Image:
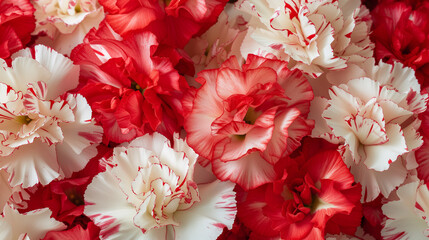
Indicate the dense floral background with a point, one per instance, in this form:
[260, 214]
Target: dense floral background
[214, 119]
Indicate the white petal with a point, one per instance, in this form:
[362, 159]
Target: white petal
[367, 131]
[31, 164]
[400, 77]
[401, 215]
[181, 146]
[342, 104]
[155, 142]
[176, 161]
[339, 77]
[379, 157]
[5, 189]
[108, 208]
[23, 71]
[317, 106]
[64, 43]
[393, 113]
[363, 88]
[82, 132]
[64, 75]
[35, 223]
[412, 137]
[207, 218]
[375, 182]
[70, 162]
[128, 162]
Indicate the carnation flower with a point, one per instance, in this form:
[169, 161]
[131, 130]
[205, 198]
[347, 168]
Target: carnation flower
[373, 110]
[315, 196]
[30, 225]
[407, 216]
[245, 118]
[16, 24]
[45, 133]
[130, 89]
[316, 35]
[149, 193]
[66, 22]
[400, 34]
[173, 22]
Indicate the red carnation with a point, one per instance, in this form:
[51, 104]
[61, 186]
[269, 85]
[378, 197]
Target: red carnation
[130, 90]
[400, 33]
[316, 195]
[17, 22]
[174, 22]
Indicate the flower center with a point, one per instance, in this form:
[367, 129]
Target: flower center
[251, 116]
[406, 50]
[24, 119]
[164, 2]
[74, 197]
[136, 87]
[318, 204]
[77, 8]
[240, 136]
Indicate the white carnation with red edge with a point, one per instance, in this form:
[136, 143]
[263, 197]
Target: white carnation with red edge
[149, 193]
[66, 22]
[317, 35]
[373, 111]
[45, 132]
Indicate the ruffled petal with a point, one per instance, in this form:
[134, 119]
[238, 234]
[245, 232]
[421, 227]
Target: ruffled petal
[34, 224]
[216, 210]
[107, 206]
[31, 164]
[249, 171]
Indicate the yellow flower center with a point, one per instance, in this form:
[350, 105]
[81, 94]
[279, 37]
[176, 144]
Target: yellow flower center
[24, 119]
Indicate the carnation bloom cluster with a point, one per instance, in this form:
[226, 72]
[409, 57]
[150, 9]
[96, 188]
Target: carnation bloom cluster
[214, 119]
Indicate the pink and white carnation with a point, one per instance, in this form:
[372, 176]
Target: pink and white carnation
[315, 35]
[245, 118]
[407, 214]
[45, 132]
[149, 192]
[373, 111]
[30, 225]
[66, 22]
